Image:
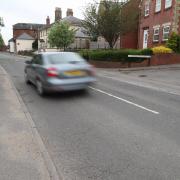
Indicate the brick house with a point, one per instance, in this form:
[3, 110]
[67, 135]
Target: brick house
[158, 19]
[81, 39]
[28, 28]
[26, 33]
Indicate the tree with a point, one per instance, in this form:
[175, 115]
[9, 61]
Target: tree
[174, 42]
[35, 44]
[111, 19]
[1, 41]
[60, 35]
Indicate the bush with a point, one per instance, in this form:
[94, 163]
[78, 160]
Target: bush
[35, 44]
[85, 54]
[174, 42]
[162, 50]
[114, 55]
[26, 53]
[147, 51]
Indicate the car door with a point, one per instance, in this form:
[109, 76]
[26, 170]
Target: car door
[29, 69]
[34, 68]
[37, 68]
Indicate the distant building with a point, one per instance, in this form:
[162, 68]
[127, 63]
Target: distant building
[158, 19]
[81, 39]
[11, 44]
[24, 42]
[24, 34]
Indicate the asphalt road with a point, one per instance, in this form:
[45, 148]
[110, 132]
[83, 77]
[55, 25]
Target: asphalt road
[116, 131]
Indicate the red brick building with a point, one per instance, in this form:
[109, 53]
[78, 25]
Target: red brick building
[25, 32]
[158, 19]
[129, 41]
[28, 28]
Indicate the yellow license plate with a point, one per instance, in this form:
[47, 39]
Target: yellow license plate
[75, 73]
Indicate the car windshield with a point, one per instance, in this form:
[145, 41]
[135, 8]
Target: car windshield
[64, 58]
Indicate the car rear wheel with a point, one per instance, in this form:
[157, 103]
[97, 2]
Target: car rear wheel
[40, 88]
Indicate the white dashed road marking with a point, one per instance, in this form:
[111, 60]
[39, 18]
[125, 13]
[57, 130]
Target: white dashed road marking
[124, 100]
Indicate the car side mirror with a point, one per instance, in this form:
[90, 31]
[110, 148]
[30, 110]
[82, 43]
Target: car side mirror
[28, 62]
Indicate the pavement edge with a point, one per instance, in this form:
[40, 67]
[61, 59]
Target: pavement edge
[52, 170]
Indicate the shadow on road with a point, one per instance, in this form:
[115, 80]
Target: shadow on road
[67, 95]
[64, 95]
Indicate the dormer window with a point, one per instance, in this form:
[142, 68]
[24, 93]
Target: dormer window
[168, 3]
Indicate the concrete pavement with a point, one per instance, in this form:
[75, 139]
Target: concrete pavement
[21, 148]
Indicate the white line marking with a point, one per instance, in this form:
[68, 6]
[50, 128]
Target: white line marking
[124, 100]
[140, 85]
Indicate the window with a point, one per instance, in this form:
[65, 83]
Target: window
[166, 31]
[168, 3]
[158, 6]
[146, 8]
[64, 58]
[156, 34]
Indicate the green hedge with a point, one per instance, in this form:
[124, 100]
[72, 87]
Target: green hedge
[114, 55]
[26, 53]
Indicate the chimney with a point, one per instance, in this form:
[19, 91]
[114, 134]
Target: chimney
[58, 14]
[47, 21]
[69, 12]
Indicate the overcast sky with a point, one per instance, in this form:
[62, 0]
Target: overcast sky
[35, 11]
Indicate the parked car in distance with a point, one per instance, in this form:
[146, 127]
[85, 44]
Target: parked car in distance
[58, 71]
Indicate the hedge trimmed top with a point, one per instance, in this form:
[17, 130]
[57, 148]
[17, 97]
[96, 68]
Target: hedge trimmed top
[114, 55]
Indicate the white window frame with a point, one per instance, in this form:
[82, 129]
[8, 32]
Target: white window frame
[146, 8]
[167, 32]
[168, 3]
[158, 6]
[156, 32]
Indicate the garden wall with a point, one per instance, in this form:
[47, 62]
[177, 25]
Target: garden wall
[159, 59]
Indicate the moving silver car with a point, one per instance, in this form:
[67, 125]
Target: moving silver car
[58, 71]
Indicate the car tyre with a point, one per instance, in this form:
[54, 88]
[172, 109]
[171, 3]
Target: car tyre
[26, 78]
[40, 88]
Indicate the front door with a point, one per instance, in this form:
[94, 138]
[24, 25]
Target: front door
[145, 38]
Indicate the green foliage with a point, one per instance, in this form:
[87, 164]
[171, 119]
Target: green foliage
[26, 53]
[174, 42]
[114, 55]
[35, 44]
[1, 41]
[60, 35]
[147, 51]
[111, 19]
